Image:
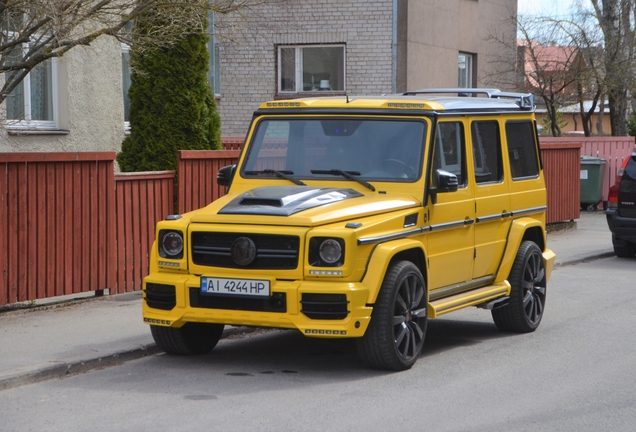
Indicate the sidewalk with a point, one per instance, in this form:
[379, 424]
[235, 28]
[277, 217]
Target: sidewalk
[84, 333]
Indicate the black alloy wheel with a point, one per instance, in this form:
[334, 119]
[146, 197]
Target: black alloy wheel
[395, 336]
[525, 308]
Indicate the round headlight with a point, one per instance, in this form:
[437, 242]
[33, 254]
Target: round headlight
[330, 251]
[172, 243]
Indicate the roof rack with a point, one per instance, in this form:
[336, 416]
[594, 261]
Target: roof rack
[523, 100]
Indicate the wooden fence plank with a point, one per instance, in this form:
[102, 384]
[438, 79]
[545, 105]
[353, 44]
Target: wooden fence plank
[78, 245]
[4, 234]
[31, 233]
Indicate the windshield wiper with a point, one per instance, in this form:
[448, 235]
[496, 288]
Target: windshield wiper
[351, 175]
[280, 174]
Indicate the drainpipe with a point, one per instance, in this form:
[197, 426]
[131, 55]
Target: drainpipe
[394, 35]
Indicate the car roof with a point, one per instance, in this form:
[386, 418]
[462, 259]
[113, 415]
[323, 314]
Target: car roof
[439, 100]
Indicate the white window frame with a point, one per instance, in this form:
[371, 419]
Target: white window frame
[28, 122]
[468, 70]
[214, 73]
[298, 61]
[125, 49]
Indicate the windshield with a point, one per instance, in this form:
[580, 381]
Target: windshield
[368, 149]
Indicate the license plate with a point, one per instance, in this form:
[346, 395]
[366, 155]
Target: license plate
[232, 286]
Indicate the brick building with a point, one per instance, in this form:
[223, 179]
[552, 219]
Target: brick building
[287, 49]
[300, 48]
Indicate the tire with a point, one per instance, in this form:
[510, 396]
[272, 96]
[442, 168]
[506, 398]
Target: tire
[191, 339]
[623, 248]
[395, 335]
[524, 310]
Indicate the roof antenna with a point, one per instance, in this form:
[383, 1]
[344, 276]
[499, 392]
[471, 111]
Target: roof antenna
[347, 96]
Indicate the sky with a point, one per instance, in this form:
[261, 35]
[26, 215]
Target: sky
[545, 7]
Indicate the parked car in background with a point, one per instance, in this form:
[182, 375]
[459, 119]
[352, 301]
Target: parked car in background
[621, 209]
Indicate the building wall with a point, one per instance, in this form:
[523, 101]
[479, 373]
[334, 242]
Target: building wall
[429, 35]
[249, 59]
[439, 29]
[91, 106]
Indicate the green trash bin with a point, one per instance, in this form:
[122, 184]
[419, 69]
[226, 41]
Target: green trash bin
[592, 169]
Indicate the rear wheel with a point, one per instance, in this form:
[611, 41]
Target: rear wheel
[524, 310]
[396, 332]
[191, 339]
[623, 248]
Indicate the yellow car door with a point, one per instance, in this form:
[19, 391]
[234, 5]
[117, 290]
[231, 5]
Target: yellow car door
[451, 239]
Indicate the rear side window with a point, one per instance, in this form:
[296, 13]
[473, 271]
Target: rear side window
[487, 151]
[522, 149]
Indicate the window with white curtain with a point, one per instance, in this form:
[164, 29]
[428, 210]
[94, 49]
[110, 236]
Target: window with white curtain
[125, 72]
[33, 103]
[311, 68]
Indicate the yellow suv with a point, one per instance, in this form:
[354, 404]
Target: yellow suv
[363, 217]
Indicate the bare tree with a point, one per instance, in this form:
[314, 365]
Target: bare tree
[617, 20]
[33, 31]
[582, 31]
[548, 65]
[564, 61]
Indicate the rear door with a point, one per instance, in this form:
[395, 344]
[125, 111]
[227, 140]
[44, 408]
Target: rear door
[492, 201]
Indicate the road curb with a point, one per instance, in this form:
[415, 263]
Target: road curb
[594, 257]
[58, 369]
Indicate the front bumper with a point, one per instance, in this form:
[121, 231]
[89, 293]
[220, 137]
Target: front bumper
[189, 305]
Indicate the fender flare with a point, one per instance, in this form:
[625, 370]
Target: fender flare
[516, 234]
[379, 263]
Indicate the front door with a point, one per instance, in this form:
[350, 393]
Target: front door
[451, 241]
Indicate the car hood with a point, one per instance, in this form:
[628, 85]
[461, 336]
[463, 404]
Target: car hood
[300, 205]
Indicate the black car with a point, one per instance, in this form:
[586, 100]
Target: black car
[621, 209]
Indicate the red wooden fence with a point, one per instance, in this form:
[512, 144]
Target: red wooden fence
[197, 170]
[142, 200]
[68, 224]
[613, 149]
[57, 234]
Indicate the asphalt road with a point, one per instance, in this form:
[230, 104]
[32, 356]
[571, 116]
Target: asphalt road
[577, 372]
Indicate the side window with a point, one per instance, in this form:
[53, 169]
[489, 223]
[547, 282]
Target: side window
[522, 149]
[487, 151]
[449, 154]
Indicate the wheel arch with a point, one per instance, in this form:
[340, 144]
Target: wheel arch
[386, 254]
[520, 230]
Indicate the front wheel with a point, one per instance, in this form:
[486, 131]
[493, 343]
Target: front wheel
[525, 307]
[396, 332]
[191, 339]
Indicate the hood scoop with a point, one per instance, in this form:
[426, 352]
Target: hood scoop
[285, 200]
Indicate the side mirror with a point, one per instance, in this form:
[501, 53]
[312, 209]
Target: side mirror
[225, 175]
[446, 182]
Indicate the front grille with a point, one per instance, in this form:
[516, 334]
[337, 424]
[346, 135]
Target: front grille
[160, 296]
[276, 303]
[276, 252]
[325, 306]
